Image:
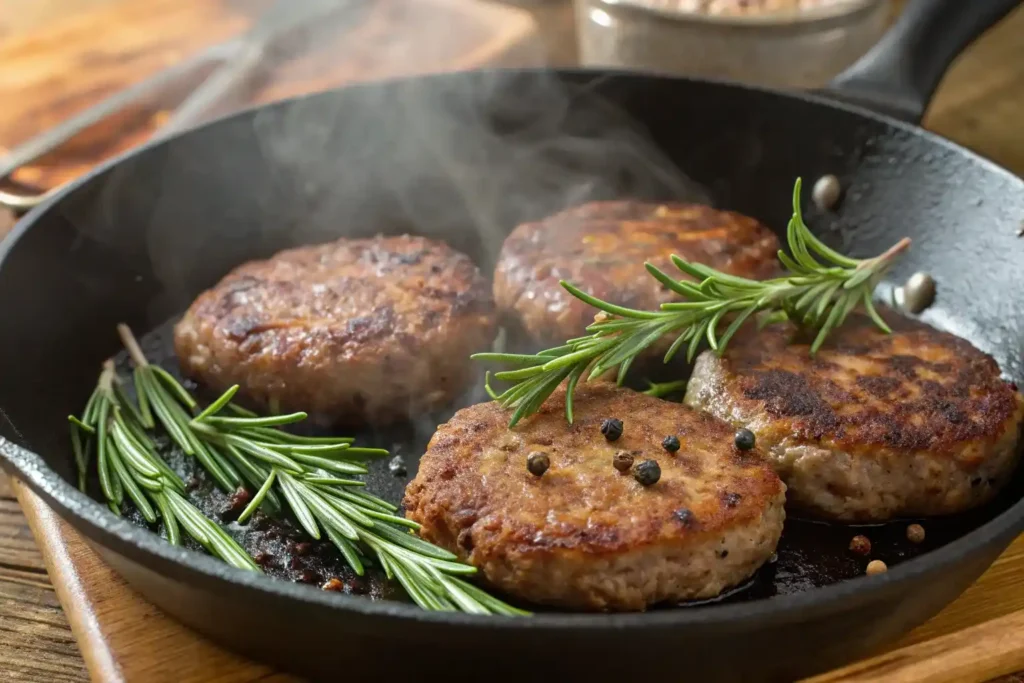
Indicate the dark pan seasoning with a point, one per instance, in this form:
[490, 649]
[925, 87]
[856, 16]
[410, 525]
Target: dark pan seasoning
[810, 554]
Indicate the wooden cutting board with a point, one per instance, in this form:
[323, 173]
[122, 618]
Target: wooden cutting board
[62, 67]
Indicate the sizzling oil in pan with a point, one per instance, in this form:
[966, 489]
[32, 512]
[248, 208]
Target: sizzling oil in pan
[810, 554]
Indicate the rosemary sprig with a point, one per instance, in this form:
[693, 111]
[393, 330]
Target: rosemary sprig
[662, 389]
[128, 464]
[309, 475]
[817, 294]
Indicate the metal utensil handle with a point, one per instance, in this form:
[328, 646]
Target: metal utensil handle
[899, 75]
[228, 82]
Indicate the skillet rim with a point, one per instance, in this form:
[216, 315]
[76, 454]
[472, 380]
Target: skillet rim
[148, 549]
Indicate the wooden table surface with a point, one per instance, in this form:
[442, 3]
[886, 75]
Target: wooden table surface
[977, 105]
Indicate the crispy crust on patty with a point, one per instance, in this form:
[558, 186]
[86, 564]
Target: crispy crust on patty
[601, 248]
[585, 535]
[874, 426]
[357, 330]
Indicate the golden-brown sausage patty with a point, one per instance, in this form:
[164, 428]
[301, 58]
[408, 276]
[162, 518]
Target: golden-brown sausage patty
[585, 535]
[876, 426]
[601, 248]
[356, 330]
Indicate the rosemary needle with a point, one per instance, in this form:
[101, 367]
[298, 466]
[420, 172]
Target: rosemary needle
[128, 464]
[820, 290]
[307, 474]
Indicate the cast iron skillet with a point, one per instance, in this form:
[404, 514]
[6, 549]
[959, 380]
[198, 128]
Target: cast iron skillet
[464, 157]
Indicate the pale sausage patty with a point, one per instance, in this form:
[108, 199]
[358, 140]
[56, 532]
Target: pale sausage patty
[875, 426]
[601, 248]
[585, 535]
[358, 330]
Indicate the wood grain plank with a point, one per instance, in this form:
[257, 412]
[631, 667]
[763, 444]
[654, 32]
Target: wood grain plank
[28, 663]
[979, 101]
[17, 547]
[29, 16]
[20, 560]
[6, 223]
[37, 641]
[1000, 592]
[57, 72]
[972, 655]
[24, 577]
[82, 57]
[986, 67]
[105, 616]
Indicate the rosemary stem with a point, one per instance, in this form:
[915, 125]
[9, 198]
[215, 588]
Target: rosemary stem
[285, 470]
[887, 255]
[106, 381]
[818, 290]
[132, 345]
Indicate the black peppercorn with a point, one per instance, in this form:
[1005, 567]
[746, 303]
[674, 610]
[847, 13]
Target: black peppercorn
[670, 443]
[538, 463]
[622, 461]
[611, 428]
[647, 472]
[744, 439]
[684, 516]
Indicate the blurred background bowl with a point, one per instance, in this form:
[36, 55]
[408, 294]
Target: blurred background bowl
[784, 49]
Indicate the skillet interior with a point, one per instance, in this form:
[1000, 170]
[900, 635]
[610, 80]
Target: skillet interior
[464, 158]
[810, 554]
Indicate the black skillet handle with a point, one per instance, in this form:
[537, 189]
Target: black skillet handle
[900, 73]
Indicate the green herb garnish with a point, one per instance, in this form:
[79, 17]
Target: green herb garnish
[817, 294]
[308, 475]
[127, 463]
[662, 389]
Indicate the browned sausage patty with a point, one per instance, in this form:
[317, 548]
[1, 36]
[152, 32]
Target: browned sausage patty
[876, 426]
[585, 535]
[358, 330]
[601, 248]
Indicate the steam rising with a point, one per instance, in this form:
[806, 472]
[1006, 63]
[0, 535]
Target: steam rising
[463, 160]
[461, 157]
